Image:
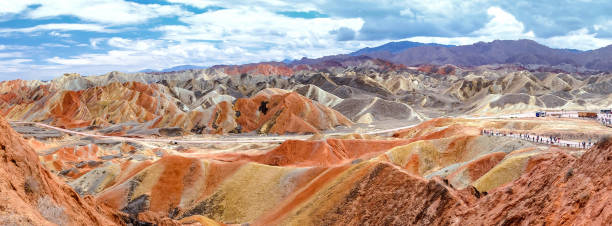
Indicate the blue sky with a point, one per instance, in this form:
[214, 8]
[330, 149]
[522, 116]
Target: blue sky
[41, 39]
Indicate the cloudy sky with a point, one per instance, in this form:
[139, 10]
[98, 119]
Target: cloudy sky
[41, 39]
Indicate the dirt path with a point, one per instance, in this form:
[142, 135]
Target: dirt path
[220, 140]
[257, 139]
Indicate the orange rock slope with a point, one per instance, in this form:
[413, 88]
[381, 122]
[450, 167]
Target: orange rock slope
[101, 106]
[286, 113]
[442, 70]
[281, 185]
[72, 161]
[563, 190]
[147, 107]
[30, 195]
[257, 69]
[317, 152]
[559, 190]
[443, 175]
[17, 92]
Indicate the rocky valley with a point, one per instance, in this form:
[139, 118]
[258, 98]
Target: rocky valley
[339, 142]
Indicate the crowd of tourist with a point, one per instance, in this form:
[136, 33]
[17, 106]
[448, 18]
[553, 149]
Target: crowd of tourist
[605, 119]
[551, 140]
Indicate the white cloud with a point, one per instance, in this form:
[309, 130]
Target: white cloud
[255, 27]
[604, 26]
[93, 42]
[580, 39]
[407, 12]
[104, 11]
[101, 11]
[253, 31]
[138, 45]
[11, 54]
[58, 27]
[54, 45]
[11, 7]
[438, 12]
[239, 35]
[274, 5]
[134, 55]
[13, 65]
[58, 34]
[196, 3]
[137, 54]
[16, 47]
[503, 25]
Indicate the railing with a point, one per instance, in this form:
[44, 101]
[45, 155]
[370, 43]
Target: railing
[603, 118]
[550, 140]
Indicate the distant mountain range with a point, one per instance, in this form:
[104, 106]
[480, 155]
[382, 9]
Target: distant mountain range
[521, 52]
[526, 53]
[394, 47]
[175, 68]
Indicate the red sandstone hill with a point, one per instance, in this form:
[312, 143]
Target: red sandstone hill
[279, 68]
[318, 182]
[442, 70]
[113, 103]
[559, 190]
[563, 190]
[30, 195]
[19, 92]
[317, 152]
[286, 113]
[146, 107]
[271, 68]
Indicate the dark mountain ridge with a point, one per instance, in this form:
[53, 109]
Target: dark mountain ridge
[175, 68]
[520, 52]
[394, 47]
[524, 53]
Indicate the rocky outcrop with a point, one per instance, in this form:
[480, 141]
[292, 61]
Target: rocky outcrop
[368, 110]
[319, 95]
[442, 70]
[134, 108]
[257, 69]
[363, 90]
[30, 195]
[440, 172]
[561, 190]
[286, 113]
[373, 193]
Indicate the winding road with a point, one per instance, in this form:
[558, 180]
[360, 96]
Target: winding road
[251, 139]
[255, 139]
